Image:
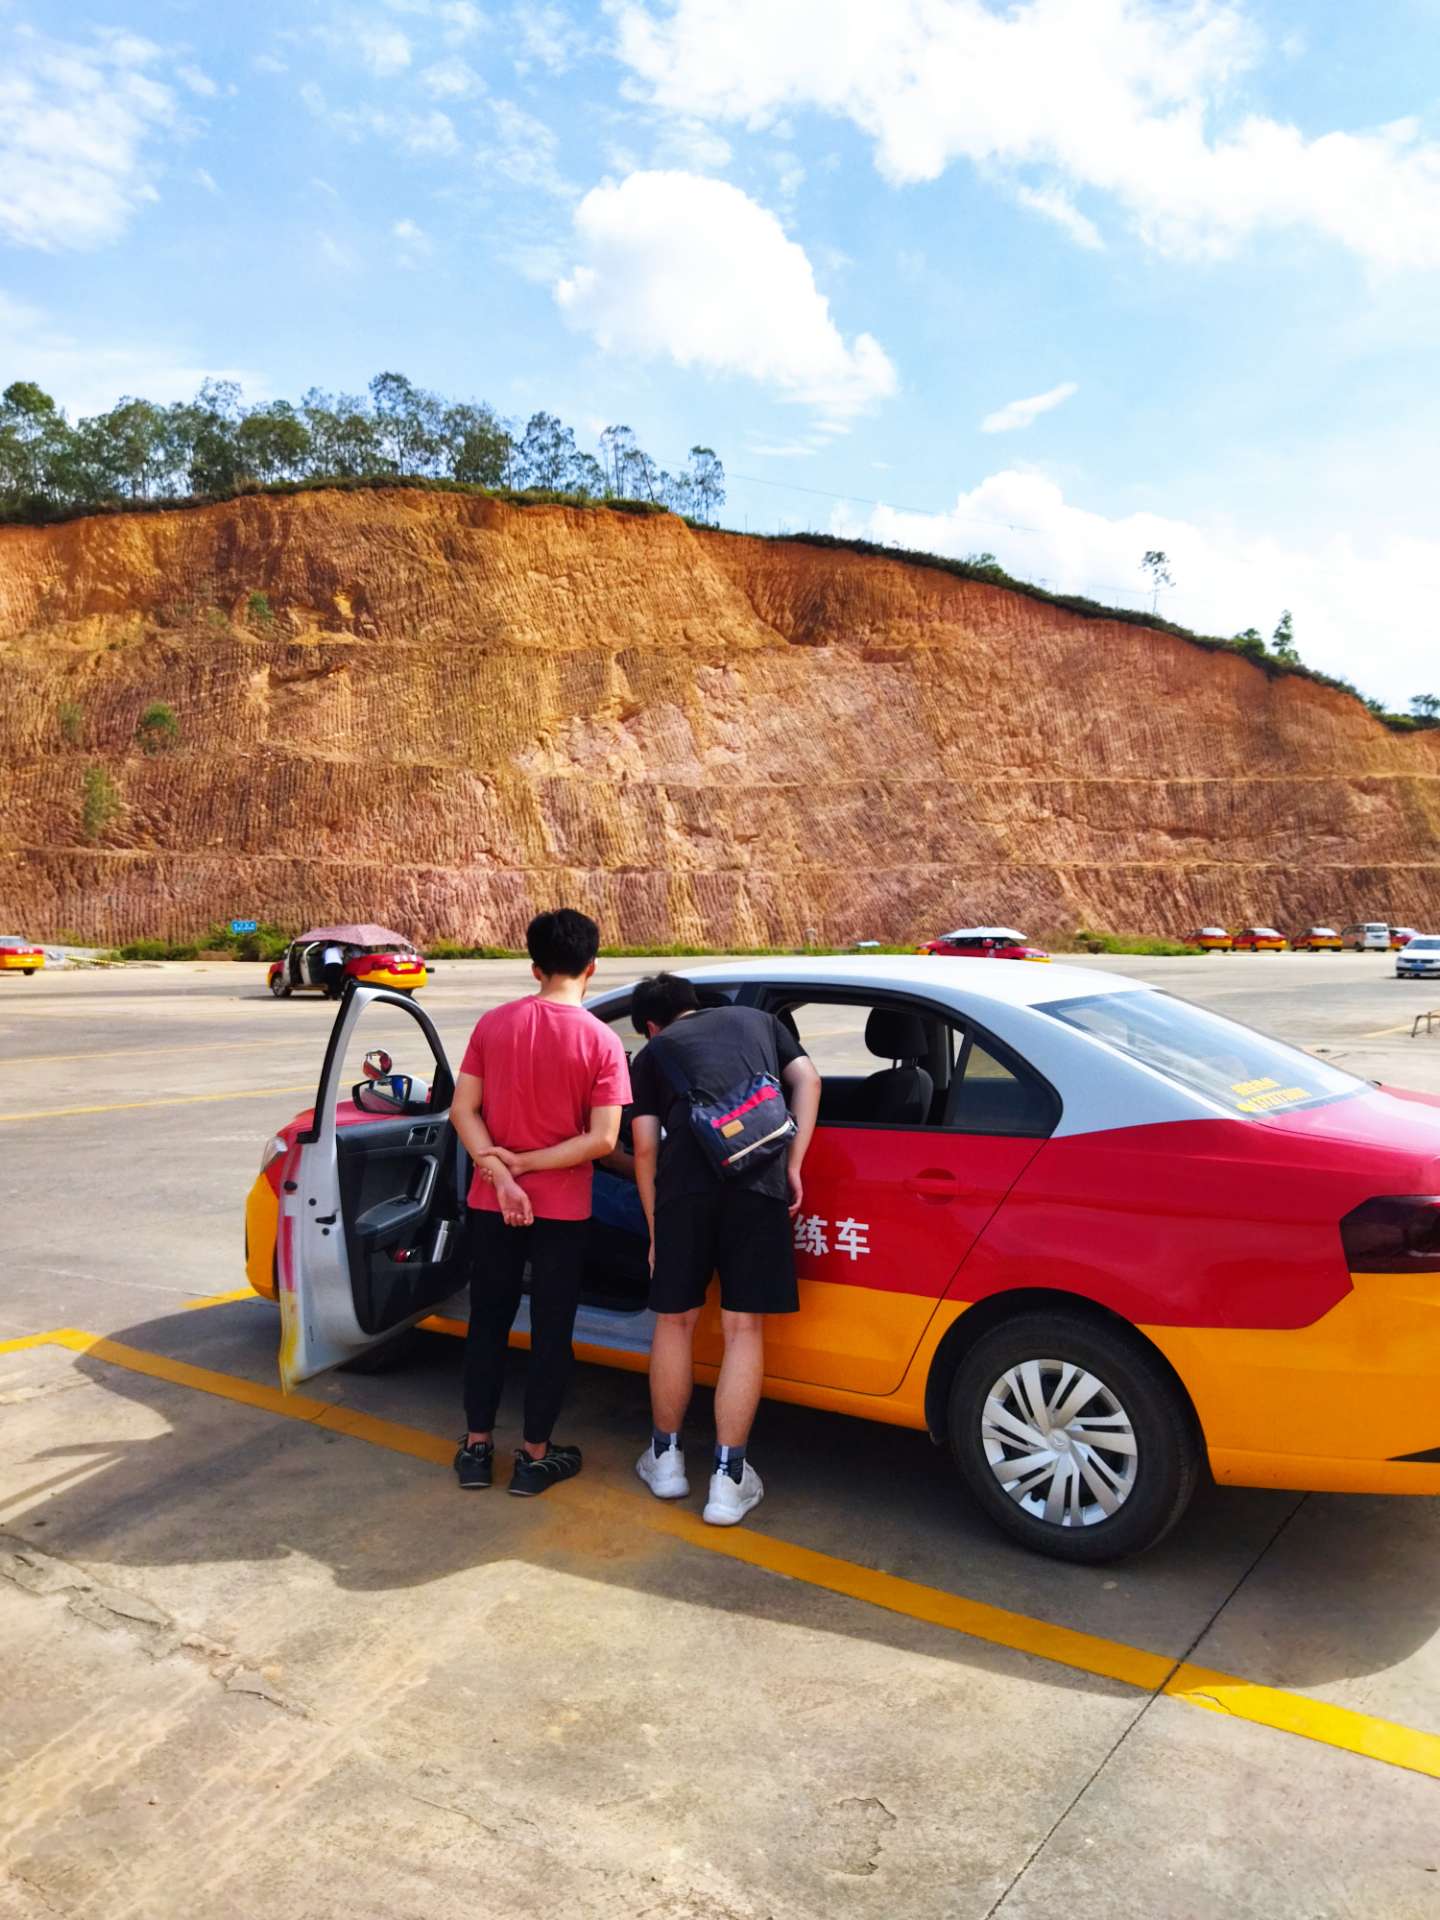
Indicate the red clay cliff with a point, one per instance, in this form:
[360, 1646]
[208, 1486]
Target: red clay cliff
[442, 712]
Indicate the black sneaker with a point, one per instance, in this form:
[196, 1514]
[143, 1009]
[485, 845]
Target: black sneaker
[534, 1476]
[475, 1463]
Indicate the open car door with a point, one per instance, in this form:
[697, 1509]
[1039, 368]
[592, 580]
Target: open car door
[372, 1196]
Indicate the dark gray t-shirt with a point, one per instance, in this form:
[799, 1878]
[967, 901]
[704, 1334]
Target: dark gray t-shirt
[712, 1050]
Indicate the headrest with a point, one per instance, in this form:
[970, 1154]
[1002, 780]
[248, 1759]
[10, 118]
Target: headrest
[893, 1034]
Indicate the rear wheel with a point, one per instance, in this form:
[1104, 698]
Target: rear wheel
[279, 986]
[1073, 1437]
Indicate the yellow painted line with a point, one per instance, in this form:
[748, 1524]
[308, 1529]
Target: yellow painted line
[1382, 1033]
[218, 1299]
[129, 1053]
[1319, 1721]
[178, 1100]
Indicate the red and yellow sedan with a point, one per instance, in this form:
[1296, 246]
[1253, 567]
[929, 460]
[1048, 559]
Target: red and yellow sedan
[984, 943]
[1211, 939]
[370, 955]
[18, 955]
[1096, 1240]
[1318, 940]
[1260, 940]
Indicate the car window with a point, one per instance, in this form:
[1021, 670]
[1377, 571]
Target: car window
[962, 1083]
[1422, 946]
[1244, 1071]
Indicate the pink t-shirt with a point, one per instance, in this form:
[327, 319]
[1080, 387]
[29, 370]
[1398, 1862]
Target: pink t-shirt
[545, 1065]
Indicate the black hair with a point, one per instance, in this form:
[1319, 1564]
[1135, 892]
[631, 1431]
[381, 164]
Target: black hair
[563, 941]
[661, 997]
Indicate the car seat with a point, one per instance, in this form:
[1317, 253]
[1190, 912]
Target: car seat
[901, 1095]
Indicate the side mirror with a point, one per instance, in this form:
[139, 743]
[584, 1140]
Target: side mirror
[392, 1093]
[377, 1063]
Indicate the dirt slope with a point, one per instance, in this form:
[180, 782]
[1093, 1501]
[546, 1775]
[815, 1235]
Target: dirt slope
[446, 712]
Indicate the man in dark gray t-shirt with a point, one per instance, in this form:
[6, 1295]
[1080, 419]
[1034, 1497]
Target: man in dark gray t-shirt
[701, 1224]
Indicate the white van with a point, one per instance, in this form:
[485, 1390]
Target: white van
[1368, 936]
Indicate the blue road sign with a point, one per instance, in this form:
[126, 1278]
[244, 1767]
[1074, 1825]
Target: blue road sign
[244, 926]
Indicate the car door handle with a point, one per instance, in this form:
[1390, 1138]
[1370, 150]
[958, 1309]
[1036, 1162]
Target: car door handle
[933, 1184]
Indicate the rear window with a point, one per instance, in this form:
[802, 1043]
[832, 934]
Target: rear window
[1244, 1071]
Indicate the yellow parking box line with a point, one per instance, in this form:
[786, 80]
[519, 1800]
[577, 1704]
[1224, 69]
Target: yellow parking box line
[176, 1100]
[1318, 1720]
[218, 1299]
[1154, 1673]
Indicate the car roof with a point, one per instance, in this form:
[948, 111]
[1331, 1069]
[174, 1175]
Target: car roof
[983, 933]
[1021, 984]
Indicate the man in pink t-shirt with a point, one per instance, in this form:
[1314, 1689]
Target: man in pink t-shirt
[538, 1100]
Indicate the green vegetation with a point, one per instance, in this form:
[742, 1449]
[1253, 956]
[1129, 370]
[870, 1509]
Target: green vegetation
[140, 455]
[259, 608]
[268, 942]
[1084, 941]
[157, 728]
[99, 802]
[70, 718]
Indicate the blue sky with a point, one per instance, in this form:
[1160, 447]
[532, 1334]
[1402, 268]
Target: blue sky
[843, 242]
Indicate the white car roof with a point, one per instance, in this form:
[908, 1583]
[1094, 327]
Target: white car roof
[1025, 984]
[985, 933]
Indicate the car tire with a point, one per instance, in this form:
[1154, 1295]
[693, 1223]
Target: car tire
[280, 987]
[1135, 1395]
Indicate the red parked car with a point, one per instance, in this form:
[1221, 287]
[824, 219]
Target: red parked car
[984, 943]
[1260, 940]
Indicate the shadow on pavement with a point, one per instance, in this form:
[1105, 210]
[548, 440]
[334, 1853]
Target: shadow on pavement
[217, 1482]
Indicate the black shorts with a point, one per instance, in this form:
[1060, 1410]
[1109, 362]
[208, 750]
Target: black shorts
[746, 1238]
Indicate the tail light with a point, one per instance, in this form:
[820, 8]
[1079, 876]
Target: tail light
[1396, 1234]
[274, 1147]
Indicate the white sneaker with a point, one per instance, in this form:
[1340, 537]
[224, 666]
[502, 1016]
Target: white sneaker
[731, 1500]
[664, 1473]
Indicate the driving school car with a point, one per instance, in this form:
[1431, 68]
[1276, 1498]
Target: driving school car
[1211, 939]
[373, 956]
[1259, 940]
[984, 943]
[1318, 940]
[1092, 1237]
[18, 955]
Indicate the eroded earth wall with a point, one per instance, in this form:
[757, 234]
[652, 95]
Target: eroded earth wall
[441, 712]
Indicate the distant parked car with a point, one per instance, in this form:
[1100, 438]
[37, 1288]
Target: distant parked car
[1259, 940]
[17, 955]
[1367, 936]
[1317, 940]
[984, 943]
[1419, 958]
[1401, 937]
[1211, 939]
[371, 955]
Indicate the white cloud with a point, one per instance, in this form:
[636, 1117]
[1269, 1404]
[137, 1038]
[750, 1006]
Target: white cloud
[414, 244]
[679, 267]
[204, 178]
[1024, 413]
[1363, 613]
[1129, 98]
[524, 151]
[77, 125]
[547, 36]
[451, 79]
[268, 63]
[384, 50]
[1057, 205]
[87, 376]
[198, 81]
[423, 134]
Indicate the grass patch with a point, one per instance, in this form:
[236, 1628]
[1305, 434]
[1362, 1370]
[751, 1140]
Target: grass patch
[99, 802]
[1145, 944]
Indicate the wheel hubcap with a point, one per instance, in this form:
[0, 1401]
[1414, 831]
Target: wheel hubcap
[1059, 1443]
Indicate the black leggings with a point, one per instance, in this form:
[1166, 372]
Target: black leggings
[497, 1255]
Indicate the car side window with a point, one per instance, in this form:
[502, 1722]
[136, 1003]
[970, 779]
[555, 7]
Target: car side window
[988, 1094]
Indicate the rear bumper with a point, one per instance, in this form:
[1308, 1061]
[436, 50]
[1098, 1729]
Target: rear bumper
[1335, 1407]
[11, 962]
[403, 982]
